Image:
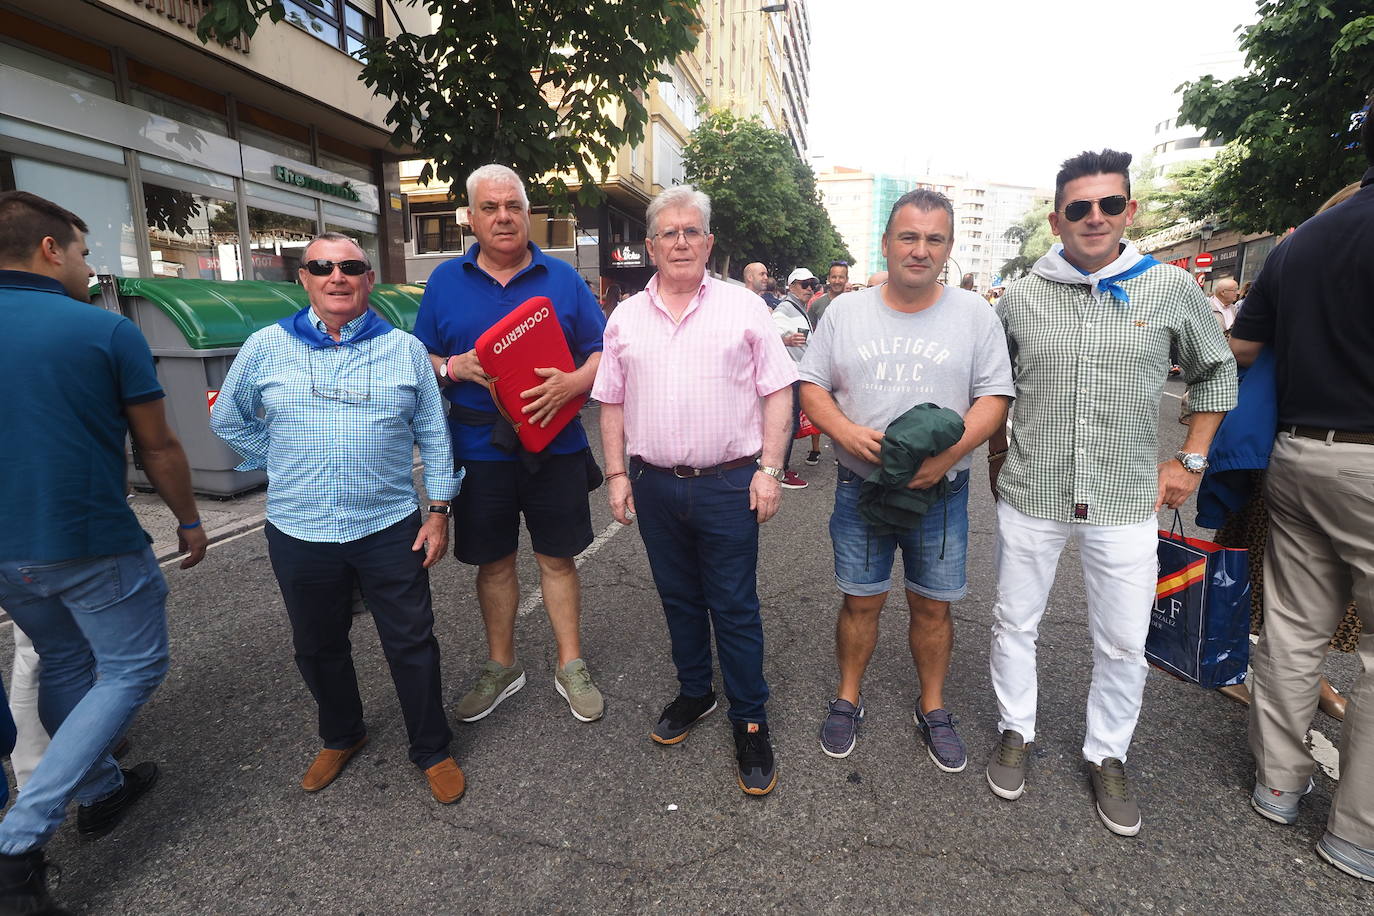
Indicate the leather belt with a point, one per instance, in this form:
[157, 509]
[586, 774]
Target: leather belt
[1331, 435]
[683, 471]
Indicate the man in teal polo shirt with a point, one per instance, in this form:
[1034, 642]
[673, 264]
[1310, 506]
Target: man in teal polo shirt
[76, 571]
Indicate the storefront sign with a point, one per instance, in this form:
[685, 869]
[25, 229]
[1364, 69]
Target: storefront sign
[1181, 262]
[628, 256]
[263, 261]
[286, 176]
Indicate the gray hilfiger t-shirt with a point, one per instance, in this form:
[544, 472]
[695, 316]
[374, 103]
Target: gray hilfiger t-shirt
[878, 363]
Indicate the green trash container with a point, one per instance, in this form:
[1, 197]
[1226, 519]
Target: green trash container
[195, 329]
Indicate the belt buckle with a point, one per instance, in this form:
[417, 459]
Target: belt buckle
[677, 472]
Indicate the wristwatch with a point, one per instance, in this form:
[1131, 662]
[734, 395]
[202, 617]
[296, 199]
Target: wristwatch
[1192, 461]
[443, 371]
[775, 473]
[441, 510]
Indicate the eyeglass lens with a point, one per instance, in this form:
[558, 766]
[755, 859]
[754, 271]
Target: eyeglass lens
[1111, 206]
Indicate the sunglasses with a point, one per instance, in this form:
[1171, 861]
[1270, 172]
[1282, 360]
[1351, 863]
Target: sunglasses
[1111, 206]
[322, 268]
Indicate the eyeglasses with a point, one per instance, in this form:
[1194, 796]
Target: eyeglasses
[321, 268]
[811, 284]
[346, 395]
[1110, 206]
[691, 234]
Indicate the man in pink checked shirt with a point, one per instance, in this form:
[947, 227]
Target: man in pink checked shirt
[694, 384]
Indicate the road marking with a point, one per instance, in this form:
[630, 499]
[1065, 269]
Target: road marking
[537, 598]
[213, 544]
[1327, 755]
[1168, 394]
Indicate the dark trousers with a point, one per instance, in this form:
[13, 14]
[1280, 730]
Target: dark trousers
[703, 546]
[796, 425]
[316, 582]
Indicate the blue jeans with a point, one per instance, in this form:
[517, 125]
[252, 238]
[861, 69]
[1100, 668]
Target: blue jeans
[703, 546]
[933, 553]
[100, 627]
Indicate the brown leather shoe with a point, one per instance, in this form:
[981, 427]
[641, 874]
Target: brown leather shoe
[1331, 701]
[446, 781]
[329, 763]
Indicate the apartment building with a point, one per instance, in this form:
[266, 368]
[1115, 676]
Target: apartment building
[201, 161]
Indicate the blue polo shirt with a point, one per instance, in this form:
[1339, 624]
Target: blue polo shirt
[67, 370]
[462, 300]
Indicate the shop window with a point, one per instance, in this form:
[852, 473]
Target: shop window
[550, 231]
[435, 232]
[102, 202]
[59, 71]
[344, 25]
[192, 236]
[367, 241]
[277, 243]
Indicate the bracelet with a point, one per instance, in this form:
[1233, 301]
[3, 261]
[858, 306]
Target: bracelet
[190, 527]
[617, 474]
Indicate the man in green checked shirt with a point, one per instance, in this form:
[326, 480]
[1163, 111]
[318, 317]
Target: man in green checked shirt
[1089, 332]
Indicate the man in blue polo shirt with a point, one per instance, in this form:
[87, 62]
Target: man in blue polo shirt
[464, 298]
[76, 571]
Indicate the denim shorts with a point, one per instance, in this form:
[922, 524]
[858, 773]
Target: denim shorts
[933, 554]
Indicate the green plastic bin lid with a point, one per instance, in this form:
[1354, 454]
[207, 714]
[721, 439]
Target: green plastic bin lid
[222, 313]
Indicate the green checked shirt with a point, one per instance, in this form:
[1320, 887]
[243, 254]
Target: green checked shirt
[1089, 371]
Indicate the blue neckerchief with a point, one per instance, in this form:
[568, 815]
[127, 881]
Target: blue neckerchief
[1111, 284]
[302, 327]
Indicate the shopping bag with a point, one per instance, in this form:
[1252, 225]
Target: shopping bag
[806, 428]
[1200, 626]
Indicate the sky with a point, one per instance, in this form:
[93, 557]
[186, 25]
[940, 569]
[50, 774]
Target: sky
[1004, 90]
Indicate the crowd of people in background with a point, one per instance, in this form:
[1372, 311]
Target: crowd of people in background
[704, 387]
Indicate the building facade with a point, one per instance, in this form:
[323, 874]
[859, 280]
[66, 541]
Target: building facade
[202, 161]
[752, 58]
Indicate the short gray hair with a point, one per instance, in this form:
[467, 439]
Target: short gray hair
[927, 201]
[497, 173]
[683, 195]
[335, 237]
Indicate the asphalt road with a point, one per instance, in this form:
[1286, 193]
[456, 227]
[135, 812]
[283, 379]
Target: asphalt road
[562, 816]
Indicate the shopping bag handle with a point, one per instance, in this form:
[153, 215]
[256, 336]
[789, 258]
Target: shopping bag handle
[1176, 526]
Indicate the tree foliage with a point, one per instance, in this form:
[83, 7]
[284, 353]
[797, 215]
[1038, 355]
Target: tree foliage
[1311, 66]
[545, 88]
[1034, 236]
[764, 202]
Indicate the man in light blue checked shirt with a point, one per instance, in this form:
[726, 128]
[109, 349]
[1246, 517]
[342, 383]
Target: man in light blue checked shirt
[344, 398]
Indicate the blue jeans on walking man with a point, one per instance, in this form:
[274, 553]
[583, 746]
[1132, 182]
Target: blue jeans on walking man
[100, 626]
[703, 544]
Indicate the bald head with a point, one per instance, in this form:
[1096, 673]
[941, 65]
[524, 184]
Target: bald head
[877, 279]
[1227, 290]
[755, 277]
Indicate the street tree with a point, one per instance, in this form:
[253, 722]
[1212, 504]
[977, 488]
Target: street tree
[1311, 67]
[764, 202]
[1033, 234]
[551, 89]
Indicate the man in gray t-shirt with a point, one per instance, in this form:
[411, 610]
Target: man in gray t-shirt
[876, 354]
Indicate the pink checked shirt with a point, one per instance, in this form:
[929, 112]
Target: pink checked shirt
[691, 388]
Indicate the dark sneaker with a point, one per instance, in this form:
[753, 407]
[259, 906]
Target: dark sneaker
[1114, 803]
[754, 753]
[1279, 806]
[840, 729]
[813, 458]
[680, 715]
[943, 743]
[1349, 858]
[494, 684]
[793, 481]
[24, 884]
[1007, 768]
[96, 820]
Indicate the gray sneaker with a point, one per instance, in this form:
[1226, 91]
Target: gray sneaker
[1007, 768]
[495, 683]
[1114, 803]
[1349, 858]
[840, 729]
[1279, 806]
[574, 683]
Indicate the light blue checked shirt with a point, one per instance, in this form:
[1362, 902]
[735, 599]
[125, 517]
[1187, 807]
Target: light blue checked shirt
[337, 429]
